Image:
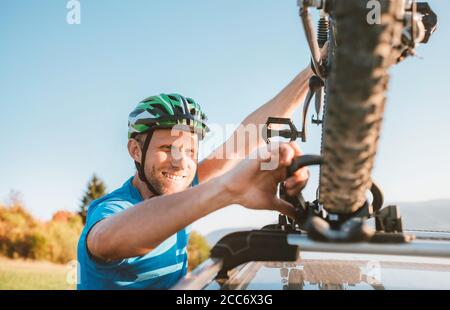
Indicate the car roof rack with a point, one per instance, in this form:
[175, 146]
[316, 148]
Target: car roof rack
[268, 244]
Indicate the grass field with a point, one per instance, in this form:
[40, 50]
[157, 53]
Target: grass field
[31, 275]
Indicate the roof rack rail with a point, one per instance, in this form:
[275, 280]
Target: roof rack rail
[272, 245]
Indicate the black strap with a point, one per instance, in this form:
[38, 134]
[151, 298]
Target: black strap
[141, 167]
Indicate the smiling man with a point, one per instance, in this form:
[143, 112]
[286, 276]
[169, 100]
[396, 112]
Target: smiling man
[136, 237]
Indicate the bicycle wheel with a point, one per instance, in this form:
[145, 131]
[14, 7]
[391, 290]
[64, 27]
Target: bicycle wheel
[360, 55]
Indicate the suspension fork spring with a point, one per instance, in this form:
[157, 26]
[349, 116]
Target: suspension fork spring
[322, 30]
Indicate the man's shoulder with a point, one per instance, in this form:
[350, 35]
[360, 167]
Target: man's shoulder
[118, 200]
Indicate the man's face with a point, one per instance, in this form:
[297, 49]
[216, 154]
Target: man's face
[171, 161]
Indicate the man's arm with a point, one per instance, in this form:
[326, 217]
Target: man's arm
[282, 105]
[138, 230]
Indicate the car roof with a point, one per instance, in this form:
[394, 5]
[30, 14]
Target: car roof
[318, 271]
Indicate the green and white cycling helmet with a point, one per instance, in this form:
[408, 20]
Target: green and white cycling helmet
[164, 112]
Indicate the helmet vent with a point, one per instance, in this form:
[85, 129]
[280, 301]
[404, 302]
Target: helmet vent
[159, 108]
[179, 109]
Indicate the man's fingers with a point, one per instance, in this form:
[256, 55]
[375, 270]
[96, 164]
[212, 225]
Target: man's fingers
[297, 189]
[286, 154]
[299, 176]
[292, 146]
[284, 207]
[297, 150]
[295, 184]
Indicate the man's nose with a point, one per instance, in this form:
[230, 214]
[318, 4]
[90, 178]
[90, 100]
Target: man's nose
[179, 159]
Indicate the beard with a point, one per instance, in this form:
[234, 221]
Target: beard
[164, 185]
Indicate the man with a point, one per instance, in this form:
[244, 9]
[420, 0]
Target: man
[136, 236]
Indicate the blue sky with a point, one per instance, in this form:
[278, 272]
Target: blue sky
[66, 91]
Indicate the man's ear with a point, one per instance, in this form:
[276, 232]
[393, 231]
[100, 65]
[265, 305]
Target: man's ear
[134, 149]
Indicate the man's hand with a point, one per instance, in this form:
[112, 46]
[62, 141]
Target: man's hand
[256, 188]
[297, 182]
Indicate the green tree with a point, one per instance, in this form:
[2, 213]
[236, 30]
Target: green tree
[96, 188]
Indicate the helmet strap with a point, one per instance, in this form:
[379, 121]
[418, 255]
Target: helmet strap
[141, 167]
